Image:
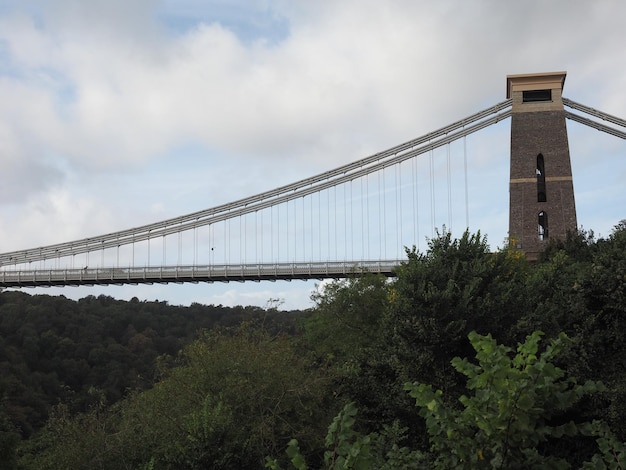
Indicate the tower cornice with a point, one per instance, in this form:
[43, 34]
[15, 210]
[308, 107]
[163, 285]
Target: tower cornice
[534, 81]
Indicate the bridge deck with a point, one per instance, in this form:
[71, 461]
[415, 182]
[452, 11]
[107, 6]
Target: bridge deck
[179, 274]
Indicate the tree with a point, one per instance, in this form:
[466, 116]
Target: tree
[345, 331]
[601, 289]
[517, 406]
[579, 287]
[350, 449]
[513, 412]
[457, 287]
[348, 316]
[9, 439]
[233, 396]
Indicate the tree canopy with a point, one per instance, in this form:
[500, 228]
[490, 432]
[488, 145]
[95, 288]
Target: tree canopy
[101, 383]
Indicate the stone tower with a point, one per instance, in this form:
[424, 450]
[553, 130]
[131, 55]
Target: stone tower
[541, 192]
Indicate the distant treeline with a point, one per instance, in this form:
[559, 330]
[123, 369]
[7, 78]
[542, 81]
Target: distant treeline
[56, 350]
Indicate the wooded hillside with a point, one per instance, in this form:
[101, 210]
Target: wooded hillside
[101, 383]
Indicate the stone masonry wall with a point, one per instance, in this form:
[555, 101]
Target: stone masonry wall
[534, 133]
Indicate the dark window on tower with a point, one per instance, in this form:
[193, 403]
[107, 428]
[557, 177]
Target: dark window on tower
[531, 96]
[543, 225]
[541, 179]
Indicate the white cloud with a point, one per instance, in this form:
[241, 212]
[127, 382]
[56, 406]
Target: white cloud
[102, 100]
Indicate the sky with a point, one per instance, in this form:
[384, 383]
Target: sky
[115, 114]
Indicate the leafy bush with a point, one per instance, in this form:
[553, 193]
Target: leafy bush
[516, 406]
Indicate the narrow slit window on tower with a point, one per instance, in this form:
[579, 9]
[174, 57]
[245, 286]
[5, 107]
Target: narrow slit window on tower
[541, 179]
[531, 96]
[543, 225]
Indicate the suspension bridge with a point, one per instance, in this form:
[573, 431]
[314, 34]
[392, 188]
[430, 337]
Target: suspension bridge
[354, 218]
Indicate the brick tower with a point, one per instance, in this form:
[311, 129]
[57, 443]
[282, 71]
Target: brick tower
[541, 192]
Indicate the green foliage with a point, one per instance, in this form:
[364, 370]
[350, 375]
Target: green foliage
[612, 454]
[437, 298]
[346, 332]
[9, 439]
[238, 394]
[516, 406]
[233, 396]
[348, 315]
[53, 349]
[577, 244]
[77, 442]
[514, 409]
[349, 449]
[458, 286]
[580, 288]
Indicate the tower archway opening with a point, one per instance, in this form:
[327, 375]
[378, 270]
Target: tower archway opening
[541, 179]
[542, 225]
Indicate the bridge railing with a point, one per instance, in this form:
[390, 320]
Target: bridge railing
[193, 273]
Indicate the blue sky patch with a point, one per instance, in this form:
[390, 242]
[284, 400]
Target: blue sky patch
[249, 21]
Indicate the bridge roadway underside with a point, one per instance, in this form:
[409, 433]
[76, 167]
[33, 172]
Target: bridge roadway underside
[194, 274]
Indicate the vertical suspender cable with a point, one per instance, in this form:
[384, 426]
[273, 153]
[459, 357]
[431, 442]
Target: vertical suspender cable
[395, 185]
[319, 223]
[367, 212]
[211, 247]
[398, 174]
[328, 224]
[254, 241]
[242, 236]
[180, 247]
[384, 215]
[276, 237]
[398, 223]
[466, 195]
[432, 194]
[380, 215]
[417, 202]
[414, 202]
[312, 225]
[345, 223]
[362, 219]
[287, 225]
[351, 222]
[312, 240]
[449, 183]
[335, 212]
